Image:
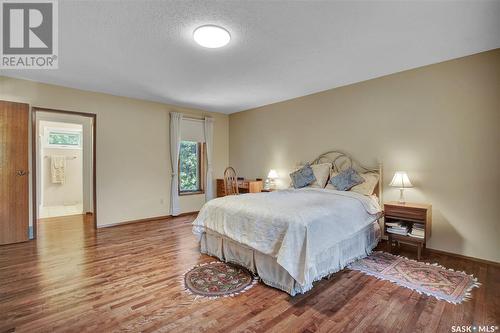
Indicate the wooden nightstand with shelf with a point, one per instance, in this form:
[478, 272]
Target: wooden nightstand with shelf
[409, 214]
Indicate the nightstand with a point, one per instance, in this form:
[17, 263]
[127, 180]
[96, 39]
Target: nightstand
[408, 214]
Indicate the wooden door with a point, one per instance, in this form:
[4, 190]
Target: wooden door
[14, 210]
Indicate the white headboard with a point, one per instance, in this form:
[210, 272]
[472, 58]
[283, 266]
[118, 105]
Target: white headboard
[341, 161]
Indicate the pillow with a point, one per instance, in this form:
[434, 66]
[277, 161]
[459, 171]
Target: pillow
[329, 185]
[347, 179]
[321, 172]
[303, 177]
[367, 187]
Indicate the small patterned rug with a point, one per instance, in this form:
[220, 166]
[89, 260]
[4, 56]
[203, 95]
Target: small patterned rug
[218, 279]
[429, 279]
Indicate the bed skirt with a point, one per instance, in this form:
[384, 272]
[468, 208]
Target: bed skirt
[271, 273]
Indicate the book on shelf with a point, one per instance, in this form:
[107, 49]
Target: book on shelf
[396, 232]
[400, 230]
[418, 231]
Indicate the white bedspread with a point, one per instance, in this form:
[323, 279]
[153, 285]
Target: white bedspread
[297, 227]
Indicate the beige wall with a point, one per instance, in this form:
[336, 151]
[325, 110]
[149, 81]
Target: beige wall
[133, 158]
[441, 123]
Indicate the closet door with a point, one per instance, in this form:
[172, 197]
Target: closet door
[14, 210]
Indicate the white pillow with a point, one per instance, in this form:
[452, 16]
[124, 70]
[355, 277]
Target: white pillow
[365, 188]
[321, 172]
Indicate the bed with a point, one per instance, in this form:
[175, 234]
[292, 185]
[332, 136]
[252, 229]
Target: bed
[294, 237]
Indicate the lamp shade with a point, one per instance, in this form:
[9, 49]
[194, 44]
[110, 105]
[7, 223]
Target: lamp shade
[400, 180]
[272, 174]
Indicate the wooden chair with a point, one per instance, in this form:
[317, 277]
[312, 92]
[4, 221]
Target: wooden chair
[230, 181]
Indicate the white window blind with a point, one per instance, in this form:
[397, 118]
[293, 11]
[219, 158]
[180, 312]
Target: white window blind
[192, 130]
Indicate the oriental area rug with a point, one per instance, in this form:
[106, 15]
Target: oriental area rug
[429, 279]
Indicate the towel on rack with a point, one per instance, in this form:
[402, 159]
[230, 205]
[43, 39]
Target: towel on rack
[58, 169]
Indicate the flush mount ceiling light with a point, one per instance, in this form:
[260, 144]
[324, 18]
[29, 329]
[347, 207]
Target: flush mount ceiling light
[211, 36]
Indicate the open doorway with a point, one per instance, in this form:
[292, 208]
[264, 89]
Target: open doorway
[63, 157]
[60, 169]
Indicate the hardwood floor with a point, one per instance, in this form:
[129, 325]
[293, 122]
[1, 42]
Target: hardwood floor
[128, 278]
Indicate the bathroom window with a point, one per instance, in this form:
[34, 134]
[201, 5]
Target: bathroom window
[64, 139]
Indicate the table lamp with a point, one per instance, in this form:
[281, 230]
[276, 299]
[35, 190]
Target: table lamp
[401, 181]
[272, 176]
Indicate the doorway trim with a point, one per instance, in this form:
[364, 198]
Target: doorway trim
[34, 110]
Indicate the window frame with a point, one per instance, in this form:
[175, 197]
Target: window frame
[201, 171]
[49, 130]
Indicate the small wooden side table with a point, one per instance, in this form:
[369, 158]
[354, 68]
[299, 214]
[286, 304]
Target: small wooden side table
[244, 186]
[408, 213]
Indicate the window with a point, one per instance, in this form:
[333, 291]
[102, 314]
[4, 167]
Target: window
[64, 139]
[191, 167]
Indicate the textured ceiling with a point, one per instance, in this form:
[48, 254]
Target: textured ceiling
[279, 49]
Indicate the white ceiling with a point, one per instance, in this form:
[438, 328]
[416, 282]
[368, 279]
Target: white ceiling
[279, 49]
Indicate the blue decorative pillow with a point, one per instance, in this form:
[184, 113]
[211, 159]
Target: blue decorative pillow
[347, 179]
[303, 177]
